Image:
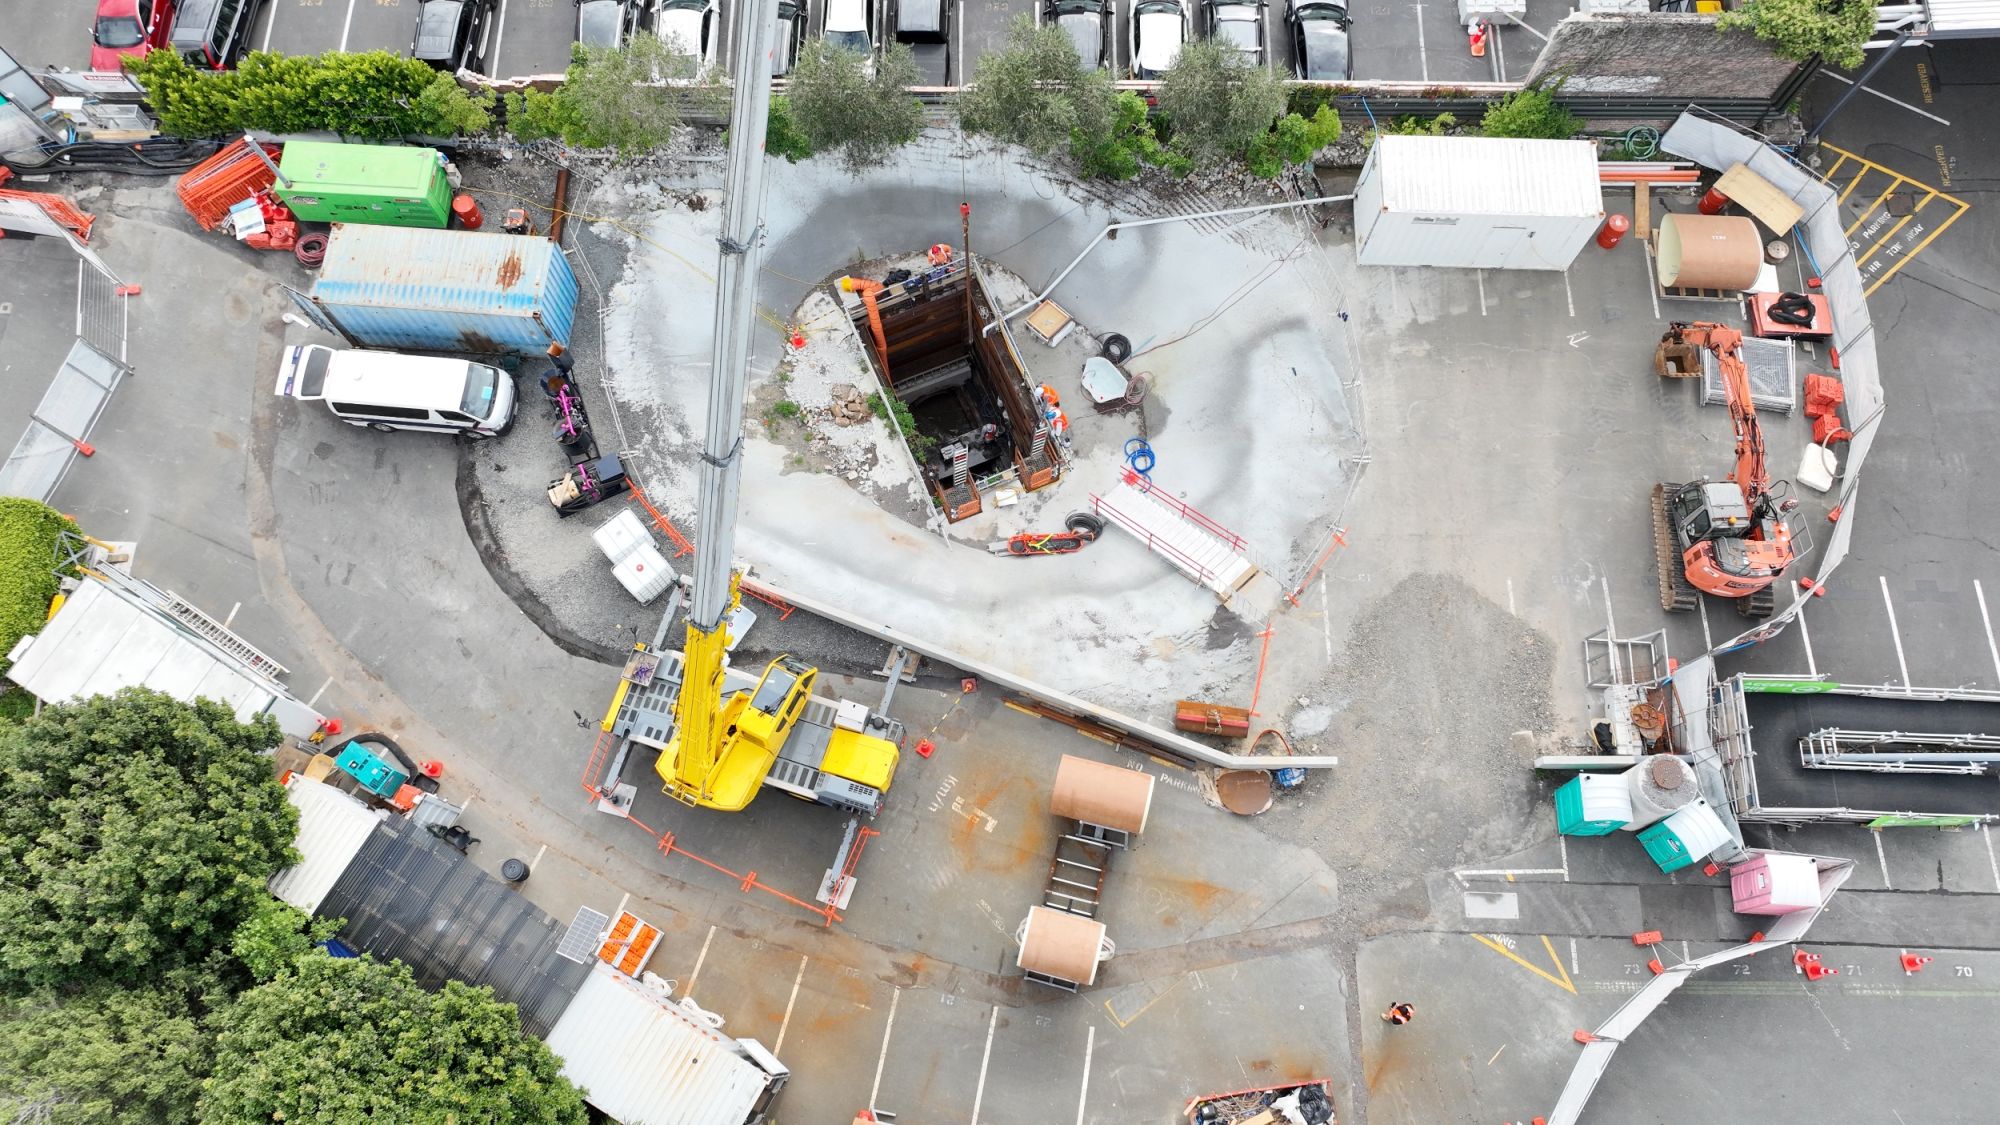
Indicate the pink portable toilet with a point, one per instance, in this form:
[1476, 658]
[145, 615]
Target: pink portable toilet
[1775, 883]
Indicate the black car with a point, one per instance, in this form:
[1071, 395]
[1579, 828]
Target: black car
[1319, 41]
[451, 34]
[1238, 25]
[1088, 25]
[925, 25]
[605, 23]
[790, 39]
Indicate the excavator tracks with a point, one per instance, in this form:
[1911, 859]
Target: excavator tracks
[1759, 605]
[1677, 594]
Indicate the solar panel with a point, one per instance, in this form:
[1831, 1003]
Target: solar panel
[585, 934]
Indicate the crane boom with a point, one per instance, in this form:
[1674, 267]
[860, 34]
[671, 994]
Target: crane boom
[715, 595]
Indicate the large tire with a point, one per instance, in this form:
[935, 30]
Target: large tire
[1117, 348]
[1088, 524]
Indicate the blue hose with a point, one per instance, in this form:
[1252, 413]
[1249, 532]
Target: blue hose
[1139, 455]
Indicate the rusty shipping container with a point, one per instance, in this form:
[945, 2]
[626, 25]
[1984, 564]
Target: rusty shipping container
[443, 291]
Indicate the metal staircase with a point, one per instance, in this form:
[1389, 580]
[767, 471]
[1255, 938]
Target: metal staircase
[1196, 545]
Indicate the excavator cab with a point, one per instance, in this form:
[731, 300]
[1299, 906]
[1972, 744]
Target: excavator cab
[1709, 510]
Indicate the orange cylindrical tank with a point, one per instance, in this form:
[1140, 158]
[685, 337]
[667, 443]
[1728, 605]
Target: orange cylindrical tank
[1613, 231]
[467, 210]
[1713, 202]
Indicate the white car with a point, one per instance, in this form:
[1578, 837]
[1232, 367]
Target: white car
[1159, 28]
[691, 28]
[850, 25]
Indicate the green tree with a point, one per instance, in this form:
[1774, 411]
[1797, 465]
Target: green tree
[1533, 113]
[842, 106]
[338, 1040]
[628, 98]
[532, 115]
[1128, 144]
[275, 936]
[782, 136]
[136, 831]
[1036, 92]
[1834, 30]
[1218, 104]
[1293, 140]
[105, 1056]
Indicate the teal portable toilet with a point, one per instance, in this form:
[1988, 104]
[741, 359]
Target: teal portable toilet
[1686, 836]
[1593, 804]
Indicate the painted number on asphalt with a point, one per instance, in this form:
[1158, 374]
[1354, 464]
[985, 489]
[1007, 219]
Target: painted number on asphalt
[1963, 970]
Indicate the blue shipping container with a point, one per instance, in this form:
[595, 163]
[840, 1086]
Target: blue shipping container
[444, 290]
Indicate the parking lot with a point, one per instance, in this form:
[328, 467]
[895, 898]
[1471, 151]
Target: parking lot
[1515, 413]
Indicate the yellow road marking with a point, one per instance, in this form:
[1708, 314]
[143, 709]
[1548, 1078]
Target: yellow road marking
[1835, 167]
[1868, 212]
[1561, 977]
[1918, 248]
[1854, 183]
[1890, 234]
[1128, 1021]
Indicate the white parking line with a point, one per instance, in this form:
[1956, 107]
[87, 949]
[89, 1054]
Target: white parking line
[1893, 631]
[785, 1024]
[1423, 56]
[1564, 841]
[1986, 834]
[499, 37]
[269, 26]
[979, 1092]
[1992, 649]
[957, 75]
[320, 692]
[1805, 634]
[1652, 294]
[1567, 293]
[1481, 275]
[1089, 1048]
[1882, 858]
[539, 853]
[345, 24]
[1885, 97]
[876, 1090]
[698, 961]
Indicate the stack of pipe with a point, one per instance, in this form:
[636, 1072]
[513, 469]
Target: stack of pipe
[1651, 171]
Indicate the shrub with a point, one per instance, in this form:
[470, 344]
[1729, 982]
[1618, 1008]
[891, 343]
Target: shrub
[1531, 113]
[375, 95]
[28, 535]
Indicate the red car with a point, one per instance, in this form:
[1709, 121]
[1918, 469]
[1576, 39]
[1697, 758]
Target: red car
[128, 27]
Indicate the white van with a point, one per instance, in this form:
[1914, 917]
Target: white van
[386, 391]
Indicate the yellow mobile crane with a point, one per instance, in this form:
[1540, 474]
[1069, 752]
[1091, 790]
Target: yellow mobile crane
[723, 750]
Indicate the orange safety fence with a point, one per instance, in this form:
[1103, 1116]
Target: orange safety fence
[56, 207]
[681, 544]
[784, 607]
[1335, 543]
[827, 913]
[212, 187]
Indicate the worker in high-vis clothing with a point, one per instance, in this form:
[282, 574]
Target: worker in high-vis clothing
[1399, 1013]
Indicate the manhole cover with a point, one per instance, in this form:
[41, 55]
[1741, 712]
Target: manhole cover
[1244, 792]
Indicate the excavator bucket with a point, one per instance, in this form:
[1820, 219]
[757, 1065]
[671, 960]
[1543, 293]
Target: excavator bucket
[1677, 361]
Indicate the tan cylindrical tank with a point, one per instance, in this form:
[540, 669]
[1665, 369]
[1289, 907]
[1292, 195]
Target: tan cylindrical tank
[1059, 944]
[1709, 252]
[1097, 793]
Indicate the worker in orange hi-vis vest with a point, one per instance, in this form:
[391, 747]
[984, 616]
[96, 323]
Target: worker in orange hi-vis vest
[1399, 1013]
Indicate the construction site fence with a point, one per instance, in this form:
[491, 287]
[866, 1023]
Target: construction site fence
[1709, 140]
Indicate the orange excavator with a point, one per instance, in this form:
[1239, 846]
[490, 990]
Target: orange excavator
[1727, 538]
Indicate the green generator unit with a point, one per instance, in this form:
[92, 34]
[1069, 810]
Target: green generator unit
[388, 185]
[1684, 837]
[1593, 804]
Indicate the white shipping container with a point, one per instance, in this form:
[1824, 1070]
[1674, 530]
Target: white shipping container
[1476, 203]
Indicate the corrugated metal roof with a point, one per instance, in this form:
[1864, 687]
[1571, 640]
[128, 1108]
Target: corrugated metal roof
[643, 1061]
[441, 270]
[1487, 176]
[332, 828]
[410, 896]
[101, 640]
[1963, 19]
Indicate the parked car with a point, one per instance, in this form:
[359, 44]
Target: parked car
[1159, 27]
[1238, 25]
[691, 27]
[1088, 25]
[790, 37]
[1319, 41]
[926, 26]
[212, 34]
[451, 34]
[850, 25]
[128, 27]
[605, 23]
